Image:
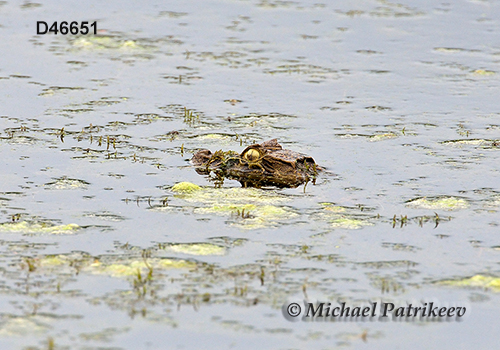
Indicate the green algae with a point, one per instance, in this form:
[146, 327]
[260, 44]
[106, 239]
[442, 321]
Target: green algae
[350, 222]
[131, 268]
[493, 201]
[197, 248]
[483, 72]
[111, 266]
[384, 136]
[55, 260]
[333, 208]
[216, 137]
[66, 183]
[440, 202]
[21, 326]
[479, 143]
[233, 196]
[250, 216]
[185, 187]
[101, 42]
[38, 227]
[476, 281]
[224, 209]
[343, 217]
[247, 208]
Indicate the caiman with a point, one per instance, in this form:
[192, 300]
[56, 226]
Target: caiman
[265, 164]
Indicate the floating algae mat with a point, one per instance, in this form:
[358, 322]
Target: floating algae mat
[247, 208]
[38, 228]
[130, 268]
[343, 217]
[185, 187]
[107, 265]
[101, 42]
[383, 136]
[440, 202]
[196, 248]
[476, 281]
[65, 183]
[236, 195]
[480, 143]
[350, 222]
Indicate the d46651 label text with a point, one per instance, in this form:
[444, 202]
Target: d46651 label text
[73, 28]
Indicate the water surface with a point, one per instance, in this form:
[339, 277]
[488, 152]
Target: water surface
[398, 101]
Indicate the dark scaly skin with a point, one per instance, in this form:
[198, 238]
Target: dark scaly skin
[265, 164]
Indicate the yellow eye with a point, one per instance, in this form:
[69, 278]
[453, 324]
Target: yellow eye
[252, 155]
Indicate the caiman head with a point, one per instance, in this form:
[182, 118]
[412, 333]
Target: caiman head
[265, 164]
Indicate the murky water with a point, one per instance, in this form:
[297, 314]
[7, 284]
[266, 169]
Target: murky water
[397, 100]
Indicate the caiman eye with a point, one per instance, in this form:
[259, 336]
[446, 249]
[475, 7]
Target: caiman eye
[251, 155]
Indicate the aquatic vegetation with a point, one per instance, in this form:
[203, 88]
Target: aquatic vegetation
[38, 228]
[333, 207]
[388, 264]
[377, 108]
[247, 208]
[483, 72]
[345, 217]
[220, 138]
[476, 281]
[132, 267]
[19, 139]
[250, 216]
[383, 136]
[66, 183]
[53, 90]
[479, 143]
[402, 221]
[379, 135]
[195, 248]
[397, 10]
[350, 222]
[229, 208]
[492, 202]
[234, 196]
[148, 118]
[115, 266]
[20, 326]
[386, 284]
[105, 215]
[301, 68]
[189, 117]
[401, 247]
[385, 9]
[454, 49]
[108, 42]
[438, 202]
[172, 14]
[185, 187]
